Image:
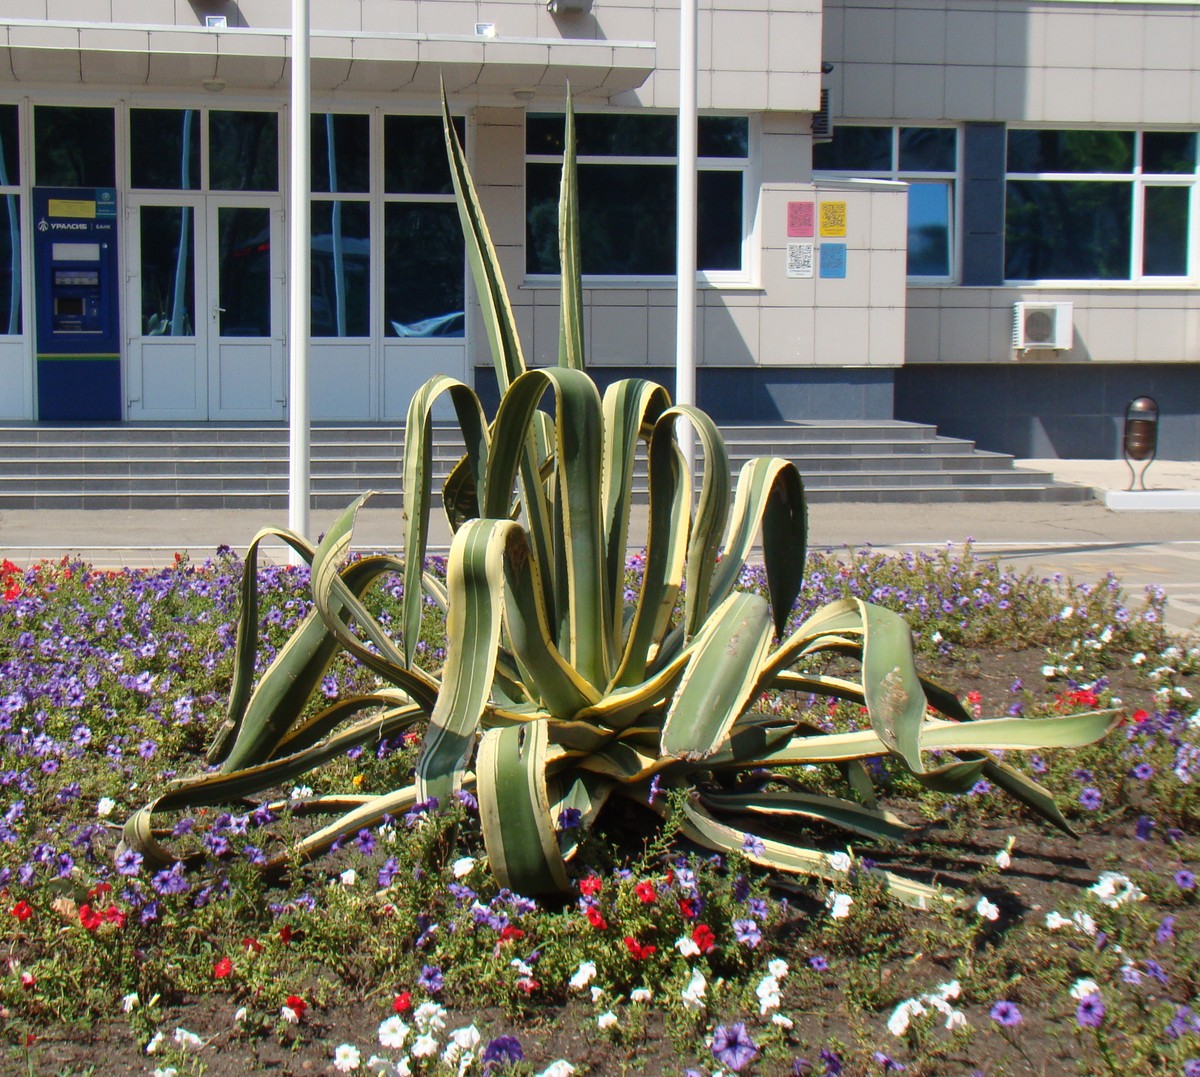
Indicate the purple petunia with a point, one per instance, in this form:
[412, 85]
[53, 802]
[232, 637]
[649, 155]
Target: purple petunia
[570, 819]
[1090, 1011]
[1090, 798]
[818, 962]
[501, 1051]
[733, 1047]
[431, 979]
[1185, 879]
[1006, 1013]
[889, 1064]
[747, 933]
[1166, 931]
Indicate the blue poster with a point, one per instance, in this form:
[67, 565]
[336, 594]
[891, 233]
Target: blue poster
[833, 260]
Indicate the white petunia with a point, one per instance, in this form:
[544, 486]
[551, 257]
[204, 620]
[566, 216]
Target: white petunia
[240, 1015]
[778, 968]
[349, 877]
[393, 1033]
[346, 1058]
[1055, 920]
[105, 805]
[128, 1002]
[686, 945]
[430, 1017]
[902, 1015]
[560, 1068]
[607, 1020]
[986, 909]
[782, 1020]
[463, 866]
[839, 905]
[1003, 860]
[597, 993]
[950, 989]
[955, 1019]
[1114, 889]
[1081, 988]
[467, 1038]
[154, 1044]
[768, 994]
[165, 1071]
[187, 1041]
[424, 1046]
[584, 975]
[693, 994]
[1084, 924]
[640, 994]
[839, 861]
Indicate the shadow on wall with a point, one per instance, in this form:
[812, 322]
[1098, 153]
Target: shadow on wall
[1063, 410]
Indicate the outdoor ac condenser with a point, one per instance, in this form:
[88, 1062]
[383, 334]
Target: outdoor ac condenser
[1043, 325]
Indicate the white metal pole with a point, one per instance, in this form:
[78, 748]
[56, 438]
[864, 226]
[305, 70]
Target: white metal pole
[299, 289]
[685, 227]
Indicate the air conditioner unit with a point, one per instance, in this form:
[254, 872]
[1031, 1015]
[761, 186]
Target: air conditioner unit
[1043, 325]
[822, 121]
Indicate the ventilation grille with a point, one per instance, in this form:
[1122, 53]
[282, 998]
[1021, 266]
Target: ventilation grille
[1043, 325]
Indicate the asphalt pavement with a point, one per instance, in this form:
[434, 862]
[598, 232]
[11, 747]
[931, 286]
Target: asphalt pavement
[1080, 540]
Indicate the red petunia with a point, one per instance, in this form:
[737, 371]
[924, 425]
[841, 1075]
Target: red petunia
[688, 908]
[646, 892]
[252, 946]
[640, 951]
[222, 968]
[702, 936]
[591, 885]
[285, 934]
[296, 1004]
[89, 918]
[1140, 716]
[113, 915]
[508, 933]
[22, 910]
[402, 1002]
[27, 981]
[595, 919]
[99, 890]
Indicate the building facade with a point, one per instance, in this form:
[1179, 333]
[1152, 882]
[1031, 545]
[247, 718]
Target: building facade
[860, 261]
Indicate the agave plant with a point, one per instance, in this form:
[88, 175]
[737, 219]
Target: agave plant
[561, 690]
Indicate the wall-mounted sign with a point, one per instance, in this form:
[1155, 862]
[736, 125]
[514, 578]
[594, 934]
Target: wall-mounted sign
[799, 259]
[800, 219]
[833, 218]
[833, 261]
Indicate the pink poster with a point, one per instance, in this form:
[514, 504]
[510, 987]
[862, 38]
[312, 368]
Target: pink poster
[800, 219]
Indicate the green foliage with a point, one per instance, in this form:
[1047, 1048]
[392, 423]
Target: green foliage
[563, 689]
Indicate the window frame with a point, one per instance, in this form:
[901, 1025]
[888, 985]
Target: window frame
[746, 166]
[912, 176]
[1139, 181]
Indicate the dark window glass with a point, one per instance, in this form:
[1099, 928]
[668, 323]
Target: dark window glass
[719, 207]
[164, 148]
[341, 269]
[10, 152]
[243, 151]
[1169, 152]
[74, 146]
[341, 153]
[1067, 230]
[1070, 151]
[929, 229]
[423, 270]
[604, 135]
[1165, 232]
[244, 276]
[626, 219]
[928, 149]
[10, 264]
[168, 271]
[723, 136]
[855, 149]
[414, 154]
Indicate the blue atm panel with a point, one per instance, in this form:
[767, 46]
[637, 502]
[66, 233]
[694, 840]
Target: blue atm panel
[78, 303]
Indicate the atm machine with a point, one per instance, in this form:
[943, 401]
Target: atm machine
[77, 292]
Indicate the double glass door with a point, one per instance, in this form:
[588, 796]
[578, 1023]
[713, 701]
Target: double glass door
[205, 308]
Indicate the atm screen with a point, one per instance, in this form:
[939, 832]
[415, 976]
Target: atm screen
[87, 278]
[69, 305]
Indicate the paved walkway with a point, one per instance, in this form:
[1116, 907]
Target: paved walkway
[1083, 541]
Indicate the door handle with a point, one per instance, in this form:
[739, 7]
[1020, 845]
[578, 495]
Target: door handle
[217, 310]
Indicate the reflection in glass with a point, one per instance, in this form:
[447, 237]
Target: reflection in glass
[1169, 152]
[341, 269]
[422, 270]
[1070, 151]
[341, 153]
[855, 149]
[719, 206]
[1067, 231]
[168, 271]
[73, 146]
[603, 135]
[244, 276]
[10, 264]
[723, 136]
[10, 147]
[414, 155]
[929, 229]
[1165, 232]
[928, 149]
[164, 148]
[243, 151]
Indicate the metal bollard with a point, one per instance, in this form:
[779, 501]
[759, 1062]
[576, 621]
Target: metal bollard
[1141, 436]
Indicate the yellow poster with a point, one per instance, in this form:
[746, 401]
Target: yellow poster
[70, 207]
[833, 218]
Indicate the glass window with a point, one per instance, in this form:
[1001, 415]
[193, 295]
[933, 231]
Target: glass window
[414, 155]
[627, 193]
[74, 146]
[10, 264]
[341, 153]
[926, 158]
[244, 275]
[1099, 205]
[168, 271]
[243, 151]
[341, 269]
[164, 148]
[10, 147]
[423, 270]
